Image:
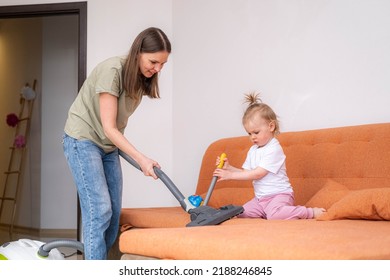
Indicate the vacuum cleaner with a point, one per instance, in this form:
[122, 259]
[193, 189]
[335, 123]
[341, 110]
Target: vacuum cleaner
[200, 213]
[27, 249]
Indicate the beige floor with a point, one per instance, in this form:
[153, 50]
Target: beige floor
[69, 253]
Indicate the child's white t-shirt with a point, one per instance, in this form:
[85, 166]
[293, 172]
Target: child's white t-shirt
[272, 158]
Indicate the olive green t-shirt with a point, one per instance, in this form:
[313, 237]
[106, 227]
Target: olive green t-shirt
[84, 115]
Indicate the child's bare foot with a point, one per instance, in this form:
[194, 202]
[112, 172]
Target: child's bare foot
[318, 212]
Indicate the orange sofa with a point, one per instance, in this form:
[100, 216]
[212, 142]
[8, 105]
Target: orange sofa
[345, 170]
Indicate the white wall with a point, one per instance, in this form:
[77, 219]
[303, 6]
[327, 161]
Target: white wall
[318, 63]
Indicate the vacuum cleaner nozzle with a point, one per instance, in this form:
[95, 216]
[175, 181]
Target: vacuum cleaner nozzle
[206, 216]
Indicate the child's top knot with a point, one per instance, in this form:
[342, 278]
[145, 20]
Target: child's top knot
[252, 98]
[257, 109]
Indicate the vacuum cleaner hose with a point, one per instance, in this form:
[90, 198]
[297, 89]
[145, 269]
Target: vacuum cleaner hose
[45, 249]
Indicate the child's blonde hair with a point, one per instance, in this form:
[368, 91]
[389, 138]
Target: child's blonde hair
[257, 108]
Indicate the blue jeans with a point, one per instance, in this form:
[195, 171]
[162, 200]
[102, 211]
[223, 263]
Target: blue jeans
[98, 177]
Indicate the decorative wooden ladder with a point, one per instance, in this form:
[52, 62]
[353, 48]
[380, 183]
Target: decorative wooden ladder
[13, 176]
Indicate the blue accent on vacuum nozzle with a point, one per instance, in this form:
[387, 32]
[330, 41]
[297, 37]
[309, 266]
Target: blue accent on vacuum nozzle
[195, 200]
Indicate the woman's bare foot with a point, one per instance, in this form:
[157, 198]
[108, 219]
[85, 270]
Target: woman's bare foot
[318, 212]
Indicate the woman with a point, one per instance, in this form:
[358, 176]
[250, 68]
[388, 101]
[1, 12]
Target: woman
[94, 134]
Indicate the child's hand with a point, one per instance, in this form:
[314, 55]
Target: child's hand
[222, 174]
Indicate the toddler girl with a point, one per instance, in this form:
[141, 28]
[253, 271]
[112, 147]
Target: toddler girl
[265, 166]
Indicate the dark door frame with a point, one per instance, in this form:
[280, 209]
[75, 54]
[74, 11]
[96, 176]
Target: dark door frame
[40, 10]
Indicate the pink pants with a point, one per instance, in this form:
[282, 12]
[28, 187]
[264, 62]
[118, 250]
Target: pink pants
[276, 207]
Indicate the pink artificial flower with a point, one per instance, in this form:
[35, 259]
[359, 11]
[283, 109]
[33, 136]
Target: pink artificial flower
[20, 141]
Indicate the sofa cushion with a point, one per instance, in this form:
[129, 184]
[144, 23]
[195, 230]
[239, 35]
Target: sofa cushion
[368, 204]
[330, 193]
[155, 217]
[236, 196]
[257, 239]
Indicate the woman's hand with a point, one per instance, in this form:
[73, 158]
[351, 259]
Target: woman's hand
[147, 166]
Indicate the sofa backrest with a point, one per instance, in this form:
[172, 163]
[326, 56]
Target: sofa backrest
[355, 156]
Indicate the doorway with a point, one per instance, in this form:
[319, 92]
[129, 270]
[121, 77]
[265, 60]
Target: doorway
[48, 201]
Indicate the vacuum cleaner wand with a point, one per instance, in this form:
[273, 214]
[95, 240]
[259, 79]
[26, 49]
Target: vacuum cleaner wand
[200, 216]
[214, 179]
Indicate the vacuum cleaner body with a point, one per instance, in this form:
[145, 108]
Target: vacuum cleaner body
[26, 249]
